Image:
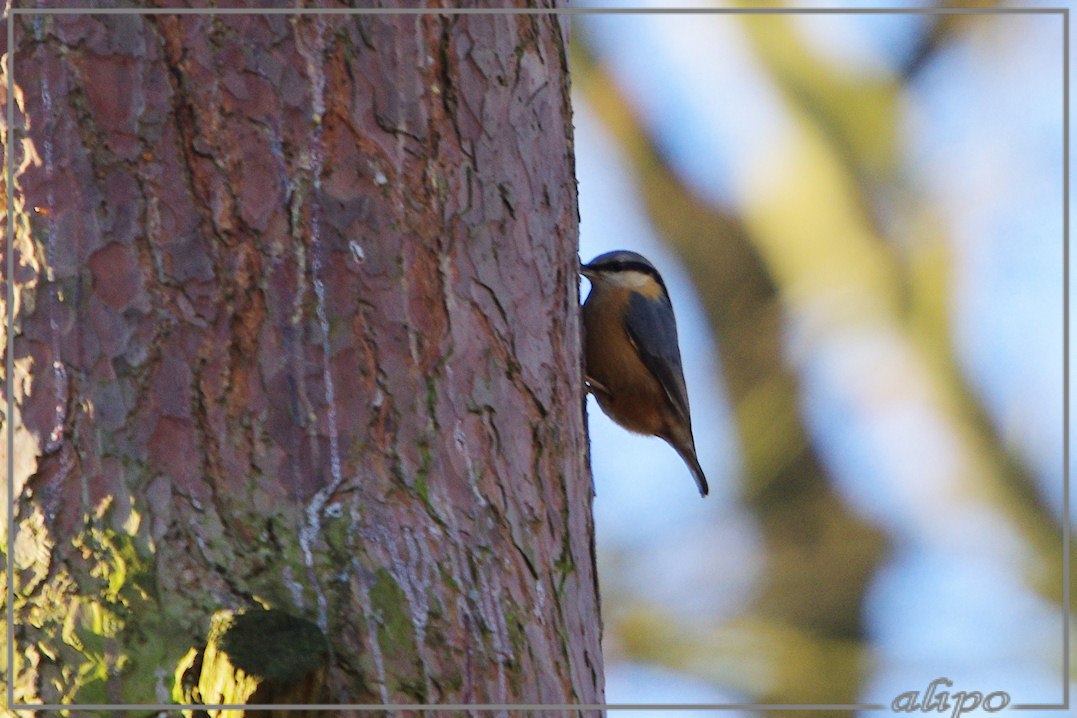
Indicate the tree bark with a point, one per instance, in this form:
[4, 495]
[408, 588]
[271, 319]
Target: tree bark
[296, 327]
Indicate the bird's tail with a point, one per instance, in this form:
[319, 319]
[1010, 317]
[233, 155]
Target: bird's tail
[688, 453]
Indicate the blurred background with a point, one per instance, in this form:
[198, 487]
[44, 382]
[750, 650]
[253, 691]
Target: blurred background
[860, 220]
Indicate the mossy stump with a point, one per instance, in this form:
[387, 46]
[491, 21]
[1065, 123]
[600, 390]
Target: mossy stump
[255, 657]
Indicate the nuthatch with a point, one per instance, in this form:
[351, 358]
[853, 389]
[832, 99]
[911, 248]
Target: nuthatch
[633, 365]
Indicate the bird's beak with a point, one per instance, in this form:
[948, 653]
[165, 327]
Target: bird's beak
[586, 271]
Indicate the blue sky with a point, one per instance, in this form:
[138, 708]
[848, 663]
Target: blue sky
[981, 156]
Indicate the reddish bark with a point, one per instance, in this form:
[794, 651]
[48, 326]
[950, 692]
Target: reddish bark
[310, 289]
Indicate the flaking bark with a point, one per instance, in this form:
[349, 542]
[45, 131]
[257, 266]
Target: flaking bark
[297, 327]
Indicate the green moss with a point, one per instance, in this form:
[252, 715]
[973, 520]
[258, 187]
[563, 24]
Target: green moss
[517, 637]
[422, 489]
[426, 460]
[335, 534]
[432, 400]
[119, 631]
[388, 601]
[564, 564]
[447, 579]
[396, 637]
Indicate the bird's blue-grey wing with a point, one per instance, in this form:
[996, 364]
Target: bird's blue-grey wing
[653, 330]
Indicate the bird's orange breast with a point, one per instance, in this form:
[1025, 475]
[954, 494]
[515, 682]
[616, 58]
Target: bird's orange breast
[632, 397]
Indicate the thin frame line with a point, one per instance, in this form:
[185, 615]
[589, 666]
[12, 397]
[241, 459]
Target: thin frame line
[536, 11]
[1066, 528]
[10, 172]
[1066, 517]
[454, 706]
[9, 351]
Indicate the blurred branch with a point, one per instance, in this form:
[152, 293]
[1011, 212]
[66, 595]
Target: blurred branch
[856, 120]
[756, 657]
[939, 32]
[928, 44]
[820, 556]
[855, 113]
[815, 236]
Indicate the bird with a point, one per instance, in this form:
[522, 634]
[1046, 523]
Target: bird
[632, 364]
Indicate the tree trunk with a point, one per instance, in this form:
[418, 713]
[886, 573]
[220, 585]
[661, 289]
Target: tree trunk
[296, 327]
